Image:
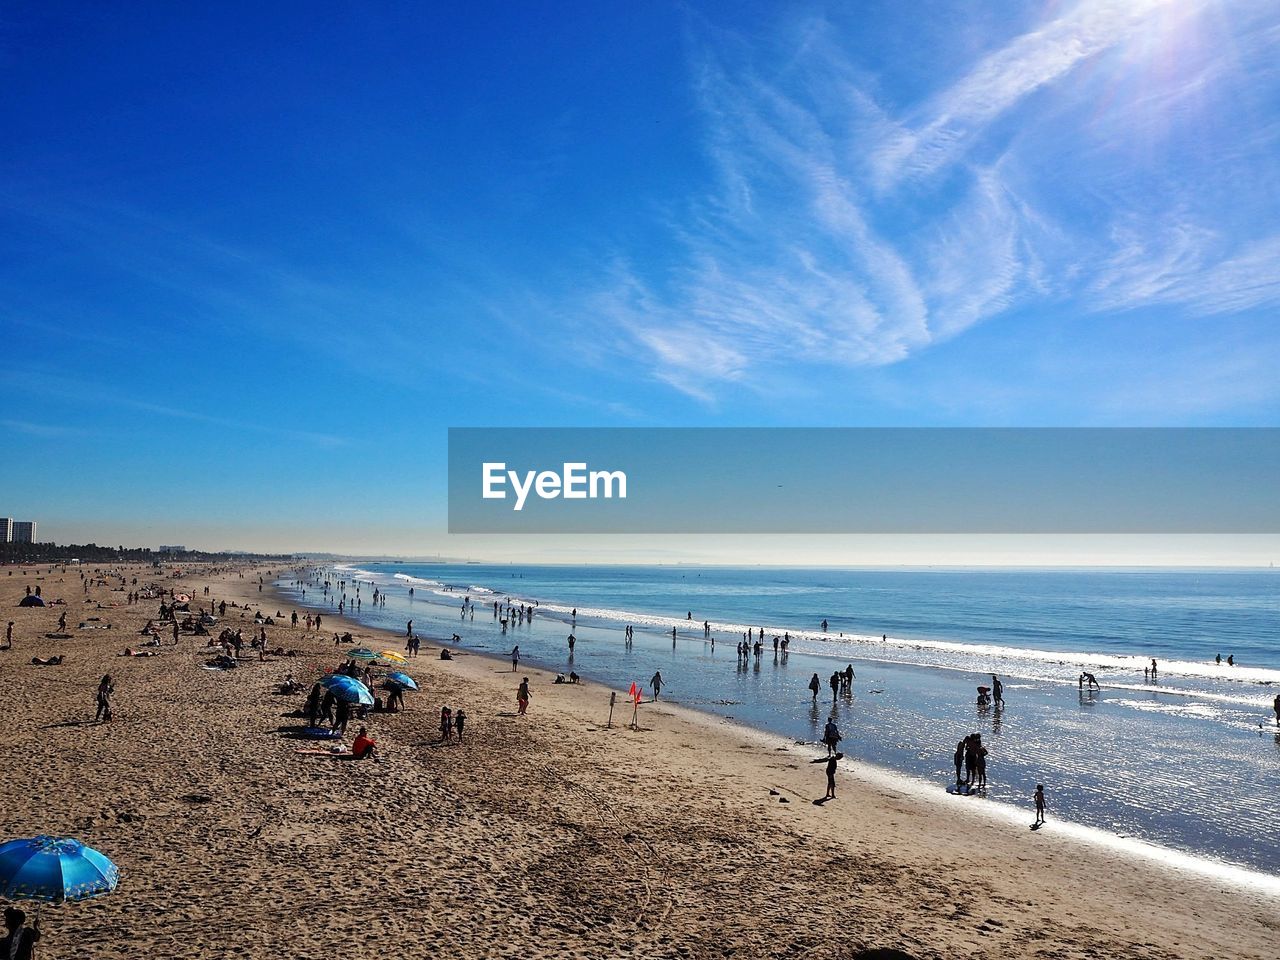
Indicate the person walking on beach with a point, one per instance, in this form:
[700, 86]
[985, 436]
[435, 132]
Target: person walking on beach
[515, 657]
[834, 683]
[831, 737]
[459, 721]
[656, 682]
[105, 689]
[522, 696]
[408, 629]
[8, 636]
[446, 724]
[814, 686]
[1039, 798]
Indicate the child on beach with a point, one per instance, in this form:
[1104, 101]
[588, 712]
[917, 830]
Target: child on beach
[446, 723]
[1039, 798]
[459, 721]
[522, 695]
[831, 762]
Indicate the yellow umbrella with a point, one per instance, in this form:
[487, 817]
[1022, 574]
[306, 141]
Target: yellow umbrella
[392, 656]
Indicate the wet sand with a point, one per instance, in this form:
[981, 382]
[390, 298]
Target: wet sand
[544, 836]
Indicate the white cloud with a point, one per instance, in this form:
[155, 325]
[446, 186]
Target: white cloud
[1184, 265]
[842, 234]
[953, 119]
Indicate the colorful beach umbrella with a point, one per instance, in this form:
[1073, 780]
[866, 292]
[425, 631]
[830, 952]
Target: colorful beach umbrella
[403, 680]
[362, 653]
[348, 689]
[54, 869]
[392, 656]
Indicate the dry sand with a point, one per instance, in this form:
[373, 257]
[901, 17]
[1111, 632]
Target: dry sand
[544, 836]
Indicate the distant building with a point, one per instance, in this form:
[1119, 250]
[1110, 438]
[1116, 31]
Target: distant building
[6, 529]
[24, 531]
[171, 548]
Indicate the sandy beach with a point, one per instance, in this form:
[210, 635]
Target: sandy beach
[547, 835]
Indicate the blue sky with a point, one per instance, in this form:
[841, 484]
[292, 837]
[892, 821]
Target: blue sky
[255, 259]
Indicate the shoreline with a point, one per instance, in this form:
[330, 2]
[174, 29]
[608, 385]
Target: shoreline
[924, 791]
[567, 837]
[1191, 849]
[1102, 661]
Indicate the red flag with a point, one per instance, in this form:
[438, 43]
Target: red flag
[635, 693]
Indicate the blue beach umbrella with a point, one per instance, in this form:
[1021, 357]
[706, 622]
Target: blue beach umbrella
[403, 680]
[54, 869]
[362, 653]
[348, 689]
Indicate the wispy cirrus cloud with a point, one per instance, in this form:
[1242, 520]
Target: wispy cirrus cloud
[942, 128]
[847, 231]
[42, 429]
[1189, 265]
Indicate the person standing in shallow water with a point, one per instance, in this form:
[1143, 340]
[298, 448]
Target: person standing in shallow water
[831, 737]
[656, 682]
[814, 686]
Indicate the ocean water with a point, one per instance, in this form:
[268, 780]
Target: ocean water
[1188, 761]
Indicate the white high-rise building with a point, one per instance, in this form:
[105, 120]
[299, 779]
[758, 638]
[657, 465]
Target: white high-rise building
[24, 531]
[6, 529]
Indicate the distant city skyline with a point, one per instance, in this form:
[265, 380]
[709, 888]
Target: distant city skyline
[250, 292]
